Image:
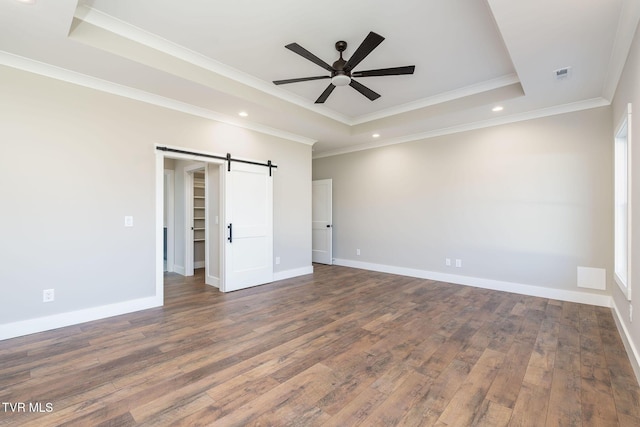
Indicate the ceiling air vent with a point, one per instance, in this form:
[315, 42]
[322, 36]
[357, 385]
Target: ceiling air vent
[562, 73]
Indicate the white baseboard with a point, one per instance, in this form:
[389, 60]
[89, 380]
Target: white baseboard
[498, 285]
[41, 324]
[288, 274]
[198, 264]
[178, 269]
[632, 351]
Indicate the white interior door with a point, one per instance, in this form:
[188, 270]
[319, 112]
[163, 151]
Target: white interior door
[322, 227]
[249, 220]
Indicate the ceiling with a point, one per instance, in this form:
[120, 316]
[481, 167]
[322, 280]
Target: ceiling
[214, 59]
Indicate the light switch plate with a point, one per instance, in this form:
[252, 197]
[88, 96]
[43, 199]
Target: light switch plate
[128, 221]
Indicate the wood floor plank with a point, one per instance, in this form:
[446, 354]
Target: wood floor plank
[450, 348]
[239, 391]
[492, 414]
[170, 414]
[530, 409]
[399, 401]
[467, 402]
[444, 387]
[339, 347]
[358, 409]
[565, 400]
[506, 386]
[283, 404]
[598, 404]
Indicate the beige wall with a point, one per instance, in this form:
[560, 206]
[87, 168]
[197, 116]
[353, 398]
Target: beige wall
[75, 161]
[524, 203]
[628, 91]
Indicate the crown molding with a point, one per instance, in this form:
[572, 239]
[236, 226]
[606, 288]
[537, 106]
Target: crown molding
[138, 35]
[514, 118]
[58, 73]
[440, 98]
[84, 80]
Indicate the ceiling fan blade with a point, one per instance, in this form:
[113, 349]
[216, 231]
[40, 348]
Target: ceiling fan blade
[364, 90]
[366, 47]
[395, 71]
[301, 79]
[295, 47]
[325, 94]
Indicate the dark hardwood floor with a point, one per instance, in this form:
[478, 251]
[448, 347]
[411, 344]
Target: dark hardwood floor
[341, 347]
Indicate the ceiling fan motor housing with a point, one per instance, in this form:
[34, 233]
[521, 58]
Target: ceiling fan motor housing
[338, 66]
[339, 77]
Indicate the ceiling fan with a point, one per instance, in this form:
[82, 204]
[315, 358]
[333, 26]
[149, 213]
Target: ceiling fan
[342, 73]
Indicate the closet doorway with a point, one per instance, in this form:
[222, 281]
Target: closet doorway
[195, 217]
[225, 205]
[201, 203]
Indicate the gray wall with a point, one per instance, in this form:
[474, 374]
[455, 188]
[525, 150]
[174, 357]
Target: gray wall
[75, 161]
[629, 91]
[523, 203]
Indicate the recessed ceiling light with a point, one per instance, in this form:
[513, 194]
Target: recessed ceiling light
[497, 108]
[243, 114]
[27, 1]
[376, 135]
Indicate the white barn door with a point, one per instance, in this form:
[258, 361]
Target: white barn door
[249, 227]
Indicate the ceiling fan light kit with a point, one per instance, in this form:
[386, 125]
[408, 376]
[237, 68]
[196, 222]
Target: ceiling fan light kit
[340, 80]
[342, 73]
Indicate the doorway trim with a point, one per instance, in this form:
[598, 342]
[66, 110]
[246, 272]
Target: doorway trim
[168, 207]
[188, 216]
[163, 151]
[159, 225]
[322, 228]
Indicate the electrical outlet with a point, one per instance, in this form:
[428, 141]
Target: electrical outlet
[358, 252]
[277, 260]
[458, 263]
[447, 262]
[48, 295]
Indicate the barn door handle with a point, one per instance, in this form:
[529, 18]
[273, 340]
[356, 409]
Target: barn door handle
[230, 238]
